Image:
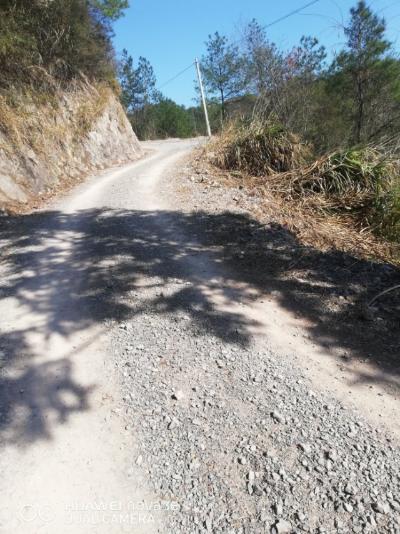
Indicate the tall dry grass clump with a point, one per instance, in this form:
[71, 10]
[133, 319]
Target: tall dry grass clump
[259, 149]
[361, 181]
[386, 213]
[361, 184]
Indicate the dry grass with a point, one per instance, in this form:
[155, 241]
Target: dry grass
[259, 149]
[88, 112]
[346, 179]
[32, 118]
[361, 182]
[386, 213]
[346, 200]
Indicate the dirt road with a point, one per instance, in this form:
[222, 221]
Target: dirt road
[64, 447]
[143, 388]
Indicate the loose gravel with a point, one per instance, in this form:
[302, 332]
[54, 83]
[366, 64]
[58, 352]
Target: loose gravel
[233, 433]
[235, 436]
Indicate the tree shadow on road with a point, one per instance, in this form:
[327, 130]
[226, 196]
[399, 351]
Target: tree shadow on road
[79, 269]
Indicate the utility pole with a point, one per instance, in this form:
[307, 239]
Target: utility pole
[203, 98]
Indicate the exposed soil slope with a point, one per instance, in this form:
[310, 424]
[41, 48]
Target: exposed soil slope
[50, 142]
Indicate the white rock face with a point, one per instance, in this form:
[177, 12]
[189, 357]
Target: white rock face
[66, 151]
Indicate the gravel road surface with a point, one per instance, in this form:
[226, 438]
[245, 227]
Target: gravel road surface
[144, 389]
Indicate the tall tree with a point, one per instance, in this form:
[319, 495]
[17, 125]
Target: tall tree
[224, 70]
[362, 59]
[138, 93]
[298, 99]
[64, 37]
[147, 80]
[264, 61]
[307, 59]
[111, 9]
[137, 83]
[128, 81]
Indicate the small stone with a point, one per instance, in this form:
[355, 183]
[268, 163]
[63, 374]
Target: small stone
[381, 507]
[305, 447]
[278, 417]
[178, 395]
[173, 424]
[257, 490]
[139, 460]
[350, 490]
[264, 516]
[332, 455]
[208, 524]
[195, 465]
[282, 527]
[395, 505]
[348, 507]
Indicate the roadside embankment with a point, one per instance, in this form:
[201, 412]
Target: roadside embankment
[49, 141]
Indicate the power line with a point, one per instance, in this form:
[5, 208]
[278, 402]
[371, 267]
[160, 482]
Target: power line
[291, 14]
[280, 19]
[284, 17]
[176, 76]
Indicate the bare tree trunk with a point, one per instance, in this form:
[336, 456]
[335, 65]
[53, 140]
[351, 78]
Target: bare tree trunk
[360, 110]
[223, 110]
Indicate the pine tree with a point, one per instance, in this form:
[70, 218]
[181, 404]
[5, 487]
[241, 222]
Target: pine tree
[264, 61]
[137, 83]
[224, 70]
[366, 49]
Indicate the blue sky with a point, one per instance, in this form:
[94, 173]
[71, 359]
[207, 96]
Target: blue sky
[171, 33]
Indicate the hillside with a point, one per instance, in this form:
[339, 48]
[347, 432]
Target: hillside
[48, 146]
[60, 116]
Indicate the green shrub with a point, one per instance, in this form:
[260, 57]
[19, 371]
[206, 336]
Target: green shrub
[355, 176]
[364, 181]
[386, 213]
[63, 38]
